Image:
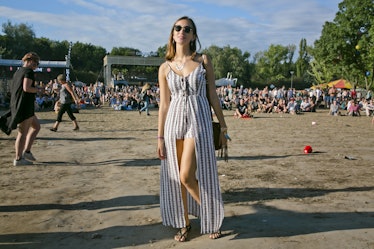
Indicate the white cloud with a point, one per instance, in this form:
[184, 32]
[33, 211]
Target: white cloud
[249, 25]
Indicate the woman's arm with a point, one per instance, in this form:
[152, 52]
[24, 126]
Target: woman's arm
[163, 109]
[27, 86]
[211, 92]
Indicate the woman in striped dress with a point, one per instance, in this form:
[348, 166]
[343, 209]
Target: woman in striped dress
[189, 177]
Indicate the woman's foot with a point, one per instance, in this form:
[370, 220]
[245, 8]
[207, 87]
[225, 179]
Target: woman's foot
[53, 129]
[76, 128]
[182, 234]
[215, 235]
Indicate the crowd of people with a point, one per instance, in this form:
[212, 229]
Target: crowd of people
[245, 102]
[95, 95]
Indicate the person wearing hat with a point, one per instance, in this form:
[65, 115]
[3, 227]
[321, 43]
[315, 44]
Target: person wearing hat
[67, 97]
[22, 114]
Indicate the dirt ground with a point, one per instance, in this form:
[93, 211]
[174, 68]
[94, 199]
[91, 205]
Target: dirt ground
[99, 188]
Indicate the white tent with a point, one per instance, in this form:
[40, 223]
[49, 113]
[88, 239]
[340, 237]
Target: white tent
[226, 82]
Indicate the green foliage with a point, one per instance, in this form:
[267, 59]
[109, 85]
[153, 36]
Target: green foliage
[302, 62]
[161, 51]
[87, 57]
[229, 59]
[337, 47]
[274, 65]
[319, 72]
[125, 51]
[19, 38]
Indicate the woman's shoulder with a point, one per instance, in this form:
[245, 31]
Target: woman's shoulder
[164, 68]
[165, 65]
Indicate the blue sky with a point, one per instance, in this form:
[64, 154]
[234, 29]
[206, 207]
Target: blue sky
[250, 25]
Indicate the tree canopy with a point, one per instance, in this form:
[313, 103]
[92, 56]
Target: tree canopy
[345, 49]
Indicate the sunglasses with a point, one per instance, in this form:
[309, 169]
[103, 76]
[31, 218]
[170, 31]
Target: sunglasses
[186, 29]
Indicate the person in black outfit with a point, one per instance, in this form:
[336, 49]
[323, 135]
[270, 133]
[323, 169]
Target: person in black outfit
[241, 109]
[22, 114]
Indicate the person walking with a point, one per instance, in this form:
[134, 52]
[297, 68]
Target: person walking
[67, 98]
[188, 178]
[146, 100]
[22, 110]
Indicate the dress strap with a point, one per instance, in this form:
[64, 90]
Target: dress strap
[170, 68]
[168, 62]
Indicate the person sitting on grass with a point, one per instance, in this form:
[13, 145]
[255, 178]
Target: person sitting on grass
[241, 110]
[334, 108]
[354, 109]
[292, 106]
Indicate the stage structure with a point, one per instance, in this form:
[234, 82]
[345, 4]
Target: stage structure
[110, 60]
[43, 65]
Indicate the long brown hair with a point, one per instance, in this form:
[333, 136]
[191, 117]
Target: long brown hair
[170, 50]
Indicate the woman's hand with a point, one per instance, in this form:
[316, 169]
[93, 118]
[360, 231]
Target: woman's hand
[223, 137]
[161, 151]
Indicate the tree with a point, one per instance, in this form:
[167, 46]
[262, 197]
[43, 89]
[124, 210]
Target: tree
[345, 44]
[319, 72]
[43, 47]
[161, 51]
[125, 51]
[366, 44]
[302, 62]
[274, 64]
[229, 59]
[87, 57]
[19, 39]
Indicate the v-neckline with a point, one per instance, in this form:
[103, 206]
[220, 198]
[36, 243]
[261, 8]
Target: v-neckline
[187, 75]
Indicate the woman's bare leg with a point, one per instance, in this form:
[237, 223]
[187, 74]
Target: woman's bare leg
[188, 168]
[32, 133]
[23, 129]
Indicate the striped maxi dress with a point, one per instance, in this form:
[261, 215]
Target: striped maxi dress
[190, 110]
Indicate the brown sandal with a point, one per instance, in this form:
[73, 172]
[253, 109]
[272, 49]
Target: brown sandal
[182, 234]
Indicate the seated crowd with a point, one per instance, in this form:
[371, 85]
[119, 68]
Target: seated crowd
[244, 102]
[247, 101]
[94, 96]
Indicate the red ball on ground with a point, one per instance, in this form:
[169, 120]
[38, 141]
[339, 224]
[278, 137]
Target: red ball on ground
[308, 149]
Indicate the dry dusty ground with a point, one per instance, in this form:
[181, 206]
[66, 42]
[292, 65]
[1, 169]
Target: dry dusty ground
[98, 188]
